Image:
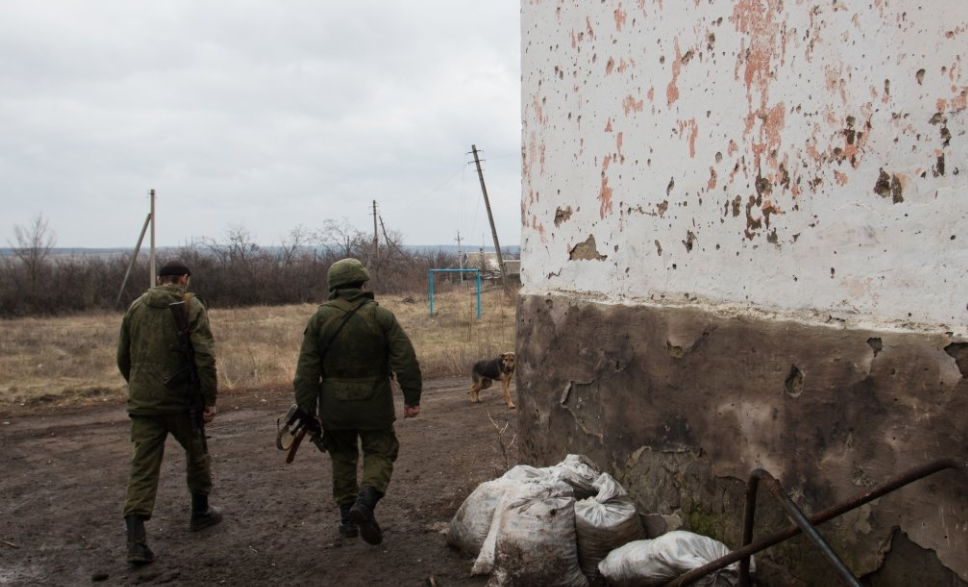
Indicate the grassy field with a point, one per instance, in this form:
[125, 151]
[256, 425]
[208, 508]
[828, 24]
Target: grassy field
[72, 360]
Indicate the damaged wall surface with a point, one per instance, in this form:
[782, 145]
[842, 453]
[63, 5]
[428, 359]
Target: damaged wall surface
[744, 245]
[796, 155]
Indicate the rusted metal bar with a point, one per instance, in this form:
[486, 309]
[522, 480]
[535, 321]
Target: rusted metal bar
[748, 515]
[794, 513]
[894, 483]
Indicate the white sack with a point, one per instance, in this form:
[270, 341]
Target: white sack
[535, 544]
[527, 473]
[655, 562]
[516, 491]
[579, 472]
[476, 528]
[608, 488]
[604, 523]
[472, 522]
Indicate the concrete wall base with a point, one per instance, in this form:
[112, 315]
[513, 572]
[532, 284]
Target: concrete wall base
[680, 404]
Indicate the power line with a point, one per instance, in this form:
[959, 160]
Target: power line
[421, 199]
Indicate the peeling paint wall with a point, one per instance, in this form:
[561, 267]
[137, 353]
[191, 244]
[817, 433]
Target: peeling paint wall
[800, 156]
[745, 244]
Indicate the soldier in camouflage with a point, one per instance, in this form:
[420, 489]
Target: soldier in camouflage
[146, 359]
[351, 348]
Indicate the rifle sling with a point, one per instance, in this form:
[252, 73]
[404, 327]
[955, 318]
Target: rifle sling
[346, 318]
[186, 335]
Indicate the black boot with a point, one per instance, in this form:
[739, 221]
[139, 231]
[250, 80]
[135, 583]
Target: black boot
[347, 528]
[203, 515]
[362, 514]
[138, 551]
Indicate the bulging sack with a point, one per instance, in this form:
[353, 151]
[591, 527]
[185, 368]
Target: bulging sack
[655, 562]
[472, 522]
[520, 512]
[535, 544]
[579, 472]
[518, 492]
[603, 523]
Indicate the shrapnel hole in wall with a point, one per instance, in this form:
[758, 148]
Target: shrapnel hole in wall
[794, 382]
[875, 344]
[959, 352]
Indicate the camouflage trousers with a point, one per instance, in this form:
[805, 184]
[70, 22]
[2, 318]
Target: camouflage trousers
[380, 449]
[148, 433]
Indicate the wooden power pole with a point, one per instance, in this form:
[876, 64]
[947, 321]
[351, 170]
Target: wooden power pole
[150, 220]
[151, 253]
[490, 217]
[460, 259]
[376, 237]
[134, 258]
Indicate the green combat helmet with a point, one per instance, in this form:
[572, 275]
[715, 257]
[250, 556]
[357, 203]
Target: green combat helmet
[346, 271]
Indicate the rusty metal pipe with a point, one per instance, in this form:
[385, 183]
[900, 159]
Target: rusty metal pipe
[896, 482]
[795, 514]
[749, 513]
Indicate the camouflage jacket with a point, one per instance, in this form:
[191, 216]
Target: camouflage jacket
[146, 356]
[350, 386]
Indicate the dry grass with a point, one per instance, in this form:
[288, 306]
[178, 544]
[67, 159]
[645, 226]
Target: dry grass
[68, 360]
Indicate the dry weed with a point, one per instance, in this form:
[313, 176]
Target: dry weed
[72, 359]
[504, 443]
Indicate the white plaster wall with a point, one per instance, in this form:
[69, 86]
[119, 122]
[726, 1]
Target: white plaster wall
[730, 152]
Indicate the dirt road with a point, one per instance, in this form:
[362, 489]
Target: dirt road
[62, 485]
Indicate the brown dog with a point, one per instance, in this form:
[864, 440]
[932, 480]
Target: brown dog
[485, 372]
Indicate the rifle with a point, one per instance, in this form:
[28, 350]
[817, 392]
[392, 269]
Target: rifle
[196, 402]
[299, 423]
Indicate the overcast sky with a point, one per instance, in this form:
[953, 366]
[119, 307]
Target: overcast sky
[259, 114]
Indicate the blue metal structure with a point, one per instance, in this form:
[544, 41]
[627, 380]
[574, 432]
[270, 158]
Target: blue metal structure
[475, 271]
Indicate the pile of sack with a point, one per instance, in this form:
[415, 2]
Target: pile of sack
[569, 525]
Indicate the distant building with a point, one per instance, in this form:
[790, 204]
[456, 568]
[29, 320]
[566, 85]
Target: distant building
[487, 262]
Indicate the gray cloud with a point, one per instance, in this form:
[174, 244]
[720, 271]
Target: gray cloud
[262, 114]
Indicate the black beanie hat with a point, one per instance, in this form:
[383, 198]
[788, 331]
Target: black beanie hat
[174, 268]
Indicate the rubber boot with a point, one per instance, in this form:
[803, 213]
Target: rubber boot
[347, 528]
[203, 515]
[362, 514]
[138, 551]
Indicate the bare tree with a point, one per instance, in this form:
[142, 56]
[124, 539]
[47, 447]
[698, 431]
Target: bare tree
[241, 243]
[239, 246]
[33, 247]
[341, 238]
[293, 243]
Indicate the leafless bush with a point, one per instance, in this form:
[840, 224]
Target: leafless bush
[231, 273]
[504, 444]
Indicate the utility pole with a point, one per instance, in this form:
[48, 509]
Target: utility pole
[151, 254]
[393, 244]
[490, 217]
[460, 259]
[376, 238]
[149, 221]
[134, 258]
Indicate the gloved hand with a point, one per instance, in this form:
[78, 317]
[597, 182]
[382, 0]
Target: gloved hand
[300, 419]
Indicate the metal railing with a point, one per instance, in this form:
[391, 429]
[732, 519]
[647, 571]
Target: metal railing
[806, 524]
